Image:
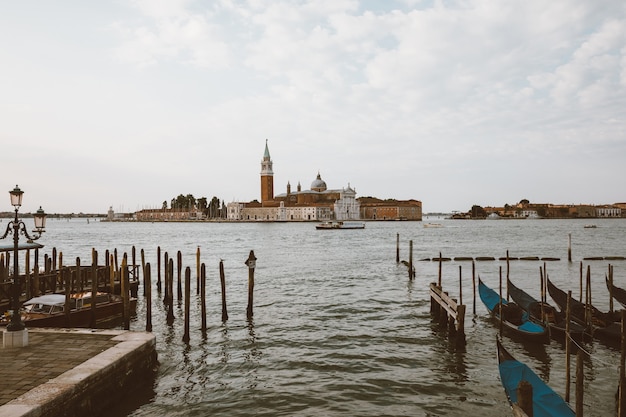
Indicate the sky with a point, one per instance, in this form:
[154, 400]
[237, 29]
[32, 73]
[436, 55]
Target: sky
[130, 103]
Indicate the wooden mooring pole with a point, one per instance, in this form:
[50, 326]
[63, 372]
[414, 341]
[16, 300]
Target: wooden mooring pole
[439, 279]
[203, 297]
[568, 345]
[610, 279]
[94, 286]
[36, 274]
[621, 393]
[147, 283]
[474, 287]
[580, 379]
[169, 283]
[411, 273]
[111, 275]
[508, 269]
[166, 292]
[159, 269]
[525, 397]
[79, 279]
[500, 305]
[460, 285]
[198, 270]
[60, 279]
[223, 285]
[251, 263]
[187, 303]
[125, 291]
[397, 247]
[143, 271]
[179, 268]
[569, 248]
[581, 282]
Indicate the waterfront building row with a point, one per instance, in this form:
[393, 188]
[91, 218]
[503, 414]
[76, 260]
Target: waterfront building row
[533, 210]
[317, 204]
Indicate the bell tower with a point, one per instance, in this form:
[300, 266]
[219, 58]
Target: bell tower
[267, 177]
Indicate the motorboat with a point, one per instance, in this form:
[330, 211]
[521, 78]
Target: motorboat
[340, 225]
[48, 310]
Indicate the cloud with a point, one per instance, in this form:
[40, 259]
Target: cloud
[385, 95]
[170, 32]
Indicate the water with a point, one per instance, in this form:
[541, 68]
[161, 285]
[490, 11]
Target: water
[338, 328]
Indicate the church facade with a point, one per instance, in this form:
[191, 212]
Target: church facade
[316, 204]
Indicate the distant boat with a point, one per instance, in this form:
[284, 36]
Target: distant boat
[433, 225]
[494, 216]
[546, 402]
[340, 225]
[590, 226]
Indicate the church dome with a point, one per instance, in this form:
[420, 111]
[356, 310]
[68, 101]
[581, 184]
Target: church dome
[318, 184]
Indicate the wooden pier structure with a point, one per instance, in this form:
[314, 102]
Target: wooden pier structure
[448, 311]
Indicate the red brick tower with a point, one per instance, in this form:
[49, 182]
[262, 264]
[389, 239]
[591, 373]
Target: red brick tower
[267, 177]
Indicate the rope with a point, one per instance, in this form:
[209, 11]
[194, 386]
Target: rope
[611, 365]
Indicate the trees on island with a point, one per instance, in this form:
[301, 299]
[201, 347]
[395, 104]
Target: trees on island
[215, 209]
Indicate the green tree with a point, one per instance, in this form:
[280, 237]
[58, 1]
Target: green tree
[214, 208]
[202, 204]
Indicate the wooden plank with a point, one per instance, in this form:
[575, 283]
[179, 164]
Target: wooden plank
[443, 300]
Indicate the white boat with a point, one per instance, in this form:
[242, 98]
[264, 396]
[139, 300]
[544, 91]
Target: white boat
[340, 225]
[433, 225]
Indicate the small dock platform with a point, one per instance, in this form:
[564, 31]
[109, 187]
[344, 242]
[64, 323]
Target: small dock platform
[73, 372]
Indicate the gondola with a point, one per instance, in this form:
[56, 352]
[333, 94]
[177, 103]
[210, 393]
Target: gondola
[618, 293]
[546, 402]
[602, 324]
[514, 318]
[554, 318]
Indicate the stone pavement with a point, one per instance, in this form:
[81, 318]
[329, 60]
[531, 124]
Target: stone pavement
[48, 355]
[74, 372]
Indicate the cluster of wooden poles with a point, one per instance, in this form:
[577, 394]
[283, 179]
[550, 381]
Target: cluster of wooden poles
[168, 284]
[122, 278]
[59, 278]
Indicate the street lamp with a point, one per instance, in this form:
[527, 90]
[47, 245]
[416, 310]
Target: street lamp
[16, 227]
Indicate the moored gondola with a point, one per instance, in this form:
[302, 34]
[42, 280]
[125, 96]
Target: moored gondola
[546, 402]
[600, 325]
[514, 318]
[618, 293]
[543, 312]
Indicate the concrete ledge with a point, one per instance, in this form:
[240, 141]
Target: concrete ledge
[94, 385]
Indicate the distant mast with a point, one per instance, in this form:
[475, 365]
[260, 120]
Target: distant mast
[267, 177]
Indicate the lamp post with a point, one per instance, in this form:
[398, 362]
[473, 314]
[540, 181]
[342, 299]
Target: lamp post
[16, 227]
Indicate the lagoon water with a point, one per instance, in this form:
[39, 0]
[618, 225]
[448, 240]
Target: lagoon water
[338, 328]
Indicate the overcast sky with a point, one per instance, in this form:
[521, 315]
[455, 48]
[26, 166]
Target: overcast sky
[130, 103]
